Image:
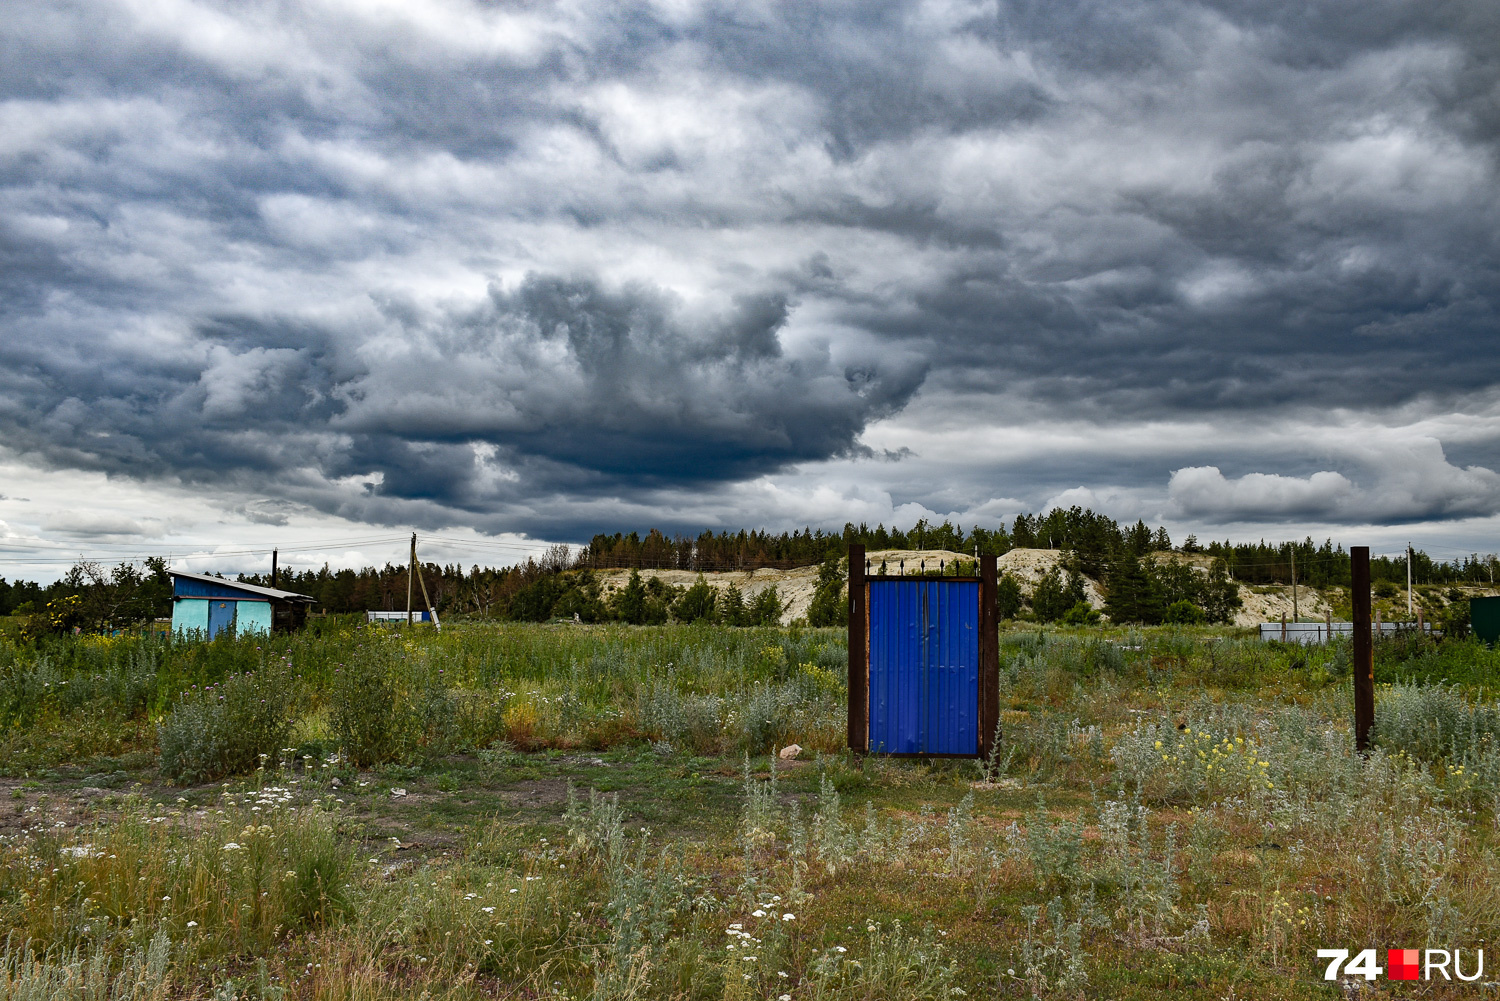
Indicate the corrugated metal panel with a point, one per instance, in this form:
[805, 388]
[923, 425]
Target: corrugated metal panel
[197, 585]
[952, 667]
[924, 666]
[220, 617]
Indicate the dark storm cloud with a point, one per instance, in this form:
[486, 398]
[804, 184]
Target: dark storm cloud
[511, 265]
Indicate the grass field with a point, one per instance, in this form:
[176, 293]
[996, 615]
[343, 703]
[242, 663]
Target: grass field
[593, 812]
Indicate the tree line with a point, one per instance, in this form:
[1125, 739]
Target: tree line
[562, 581]
[1097, 543]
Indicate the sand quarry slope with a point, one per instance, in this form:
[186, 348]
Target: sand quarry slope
[1027, 566]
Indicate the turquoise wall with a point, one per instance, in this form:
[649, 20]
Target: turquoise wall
[190, 614]
[253, 617]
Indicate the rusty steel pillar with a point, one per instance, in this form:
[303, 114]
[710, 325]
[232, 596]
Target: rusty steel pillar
[989, 653]
[859, 657]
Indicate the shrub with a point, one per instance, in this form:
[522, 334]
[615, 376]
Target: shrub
[1184, 613]
[74, 976]
[1081, 614]
[365, 716]
[766, 609]
[697, 603]
[1433, 721]
[223, 729]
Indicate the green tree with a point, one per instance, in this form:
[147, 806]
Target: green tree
[732, 610]
[1219, 596]
[1008, 597]
[1133, 594]
[1055, 594]
[696, 604]
[766, 609]
[828, 606]
[630, 601]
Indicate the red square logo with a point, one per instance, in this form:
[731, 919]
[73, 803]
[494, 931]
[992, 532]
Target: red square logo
[1402, 964]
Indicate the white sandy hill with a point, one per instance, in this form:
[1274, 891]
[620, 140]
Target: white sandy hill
[795, 587]
[1027, 566]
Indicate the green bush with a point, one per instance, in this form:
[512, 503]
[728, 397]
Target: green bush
[697, 603]
[1433, 721]
[1081, 614]
[223, 729]
[367, 712]
[1185, 613]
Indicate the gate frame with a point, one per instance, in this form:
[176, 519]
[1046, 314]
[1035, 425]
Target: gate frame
[859, 655]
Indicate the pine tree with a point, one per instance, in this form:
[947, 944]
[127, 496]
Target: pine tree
[697, 603]
[828, 607]
[766, 609]
[630, 601]
[1007, 597]
[732, 611]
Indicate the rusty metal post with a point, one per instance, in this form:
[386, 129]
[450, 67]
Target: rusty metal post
[1364, 647]
[859, 658]
[989, 653]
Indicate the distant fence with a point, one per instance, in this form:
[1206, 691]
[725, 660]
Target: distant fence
[416, 616]
[1314, 633]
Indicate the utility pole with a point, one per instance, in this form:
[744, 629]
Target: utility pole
[1295, 617]
[273, 568]
[431, 609]
[411, 575]
[1408, 579]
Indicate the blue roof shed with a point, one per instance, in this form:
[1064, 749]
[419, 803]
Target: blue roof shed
[206, 606]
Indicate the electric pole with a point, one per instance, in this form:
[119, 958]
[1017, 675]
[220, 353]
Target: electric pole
[1408, 579]
[1295, 616]
[411, 574]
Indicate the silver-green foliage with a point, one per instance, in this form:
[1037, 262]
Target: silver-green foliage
[26, 975]
[223, 729]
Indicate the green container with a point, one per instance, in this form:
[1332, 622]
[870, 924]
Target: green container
[1484, 619]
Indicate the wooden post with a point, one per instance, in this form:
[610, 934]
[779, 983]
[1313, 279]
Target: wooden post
[1328, 621]
[989, 653]
[1283, 627]
[1364, 648]
[1421, 627]
[859, 657]
[411, 573]
[431, 609]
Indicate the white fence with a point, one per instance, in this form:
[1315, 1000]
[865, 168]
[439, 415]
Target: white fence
[400, 617]
[1319, 632]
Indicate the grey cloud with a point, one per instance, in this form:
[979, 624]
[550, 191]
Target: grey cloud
[522, 266]
[97, 526]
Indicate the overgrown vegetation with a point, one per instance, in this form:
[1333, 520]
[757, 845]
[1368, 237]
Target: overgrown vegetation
[593, 811]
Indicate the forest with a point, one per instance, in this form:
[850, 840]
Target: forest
[560, 582]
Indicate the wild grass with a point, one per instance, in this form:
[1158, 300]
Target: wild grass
[1171, 811]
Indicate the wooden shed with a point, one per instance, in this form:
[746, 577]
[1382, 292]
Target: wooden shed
[207, 606]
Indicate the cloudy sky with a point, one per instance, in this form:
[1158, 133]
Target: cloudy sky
[321, 273]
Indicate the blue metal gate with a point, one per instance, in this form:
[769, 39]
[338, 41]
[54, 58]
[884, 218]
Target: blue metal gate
[924, 666]
[220, 617]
